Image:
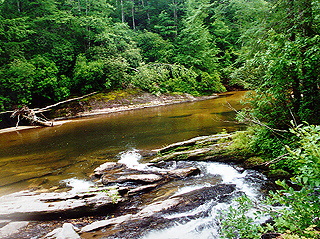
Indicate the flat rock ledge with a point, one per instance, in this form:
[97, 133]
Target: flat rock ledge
[11, 228]
[201, 148]
[134, 181]
[28, 205]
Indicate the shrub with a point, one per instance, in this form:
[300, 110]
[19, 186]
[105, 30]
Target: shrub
[298, 216]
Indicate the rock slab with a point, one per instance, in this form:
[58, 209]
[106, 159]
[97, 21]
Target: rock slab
[28, 205]
[12, 228]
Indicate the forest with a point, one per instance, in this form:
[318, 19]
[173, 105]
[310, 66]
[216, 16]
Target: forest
[52, 50]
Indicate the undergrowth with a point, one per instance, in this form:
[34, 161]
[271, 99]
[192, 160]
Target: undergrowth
[298, 206]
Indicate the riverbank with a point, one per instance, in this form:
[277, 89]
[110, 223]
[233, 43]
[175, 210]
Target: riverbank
[122, 100]
[112, 102]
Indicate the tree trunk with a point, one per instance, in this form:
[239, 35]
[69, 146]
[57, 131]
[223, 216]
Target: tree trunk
[122, 12]
[19, 5]
[133, 17]
[147, 11]
[30, 115]
[175, 14]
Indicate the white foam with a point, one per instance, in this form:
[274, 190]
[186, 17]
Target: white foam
[187, 189]
[78, 185]
[203, 228]
[231, 175]
[131, 158]
[206, 227]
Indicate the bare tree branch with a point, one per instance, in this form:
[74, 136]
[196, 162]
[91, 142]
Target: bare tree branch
[62, 102]
[251, 119]
[30, 114]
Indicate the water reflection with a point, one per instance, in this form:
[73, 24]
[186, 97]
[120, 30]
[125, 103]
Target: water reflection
[45, 156]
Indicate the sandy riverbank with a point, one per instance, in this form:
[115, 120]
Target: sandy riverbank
[145, 101]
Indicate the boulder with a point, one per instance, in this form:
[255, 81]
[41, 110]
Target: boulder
[153, 216]
[194, 141]
[106, 167]
[142, 189]
[193, 199]
[183, 172]
[143, 178]
[192, 154]
[67, 231]
[156, 207]
[137, 178]
[103, 223]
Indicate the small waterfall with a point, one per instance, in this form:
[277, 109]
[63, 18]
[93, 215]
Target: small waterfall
[131, 158]
[246, 181]
[203, 221]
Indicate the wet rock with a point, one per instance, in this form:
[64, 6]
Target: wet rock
[146, 212]
[30, 205]
[142, 189]
[156, 207]
[12, 228]
[139, 178]
[199, 148]
[193, 199]
[67, 231]
[104, 168]
[184, 172]
[4, 222]
[103, 223]
[152, 216]
[135, 229]
[194, 141]
[184, 155]
[144, 178]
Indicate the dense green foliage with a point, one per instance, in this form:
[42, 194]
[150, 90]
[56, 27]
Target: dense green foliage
[50, 50]
[298, 206]
[282, 64]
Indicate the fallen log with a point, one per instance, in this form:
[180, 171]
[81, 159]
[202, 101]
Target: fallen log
[30, 114]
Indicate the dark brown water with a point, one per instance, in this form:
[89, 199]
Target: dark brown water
[43, 157]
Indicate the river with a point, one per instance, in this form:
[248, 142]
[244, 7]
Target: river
[43, 157]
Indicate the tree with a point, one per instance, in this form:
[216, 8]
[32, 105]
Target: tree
[165, 26]
[16, 82]
[196, 47]
[284, 69]
[154, 48]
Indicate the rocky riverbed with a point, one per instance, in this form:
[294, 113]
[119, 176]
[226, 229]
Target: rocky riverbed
[127, 199]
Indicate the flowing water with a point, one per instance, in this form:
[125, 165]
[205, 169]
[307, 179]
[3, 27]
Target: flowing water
[203, 221]
[42, 157]
[67, 154]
